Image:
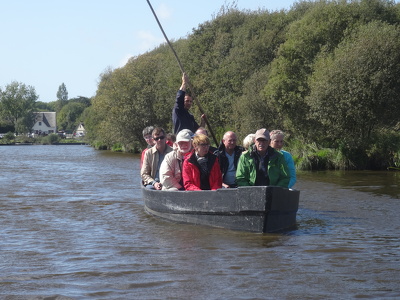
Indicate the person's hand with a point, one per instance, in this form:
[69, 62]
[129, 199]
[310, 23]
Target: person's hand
[157, 186]
[184, 78]
[225, 185]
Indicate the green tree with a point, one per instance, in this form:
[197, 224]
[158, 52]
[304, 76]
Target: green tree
[43, 106]
[356, 89]
[62, 96]
[69, 116]
[319, 31]
[17, 104]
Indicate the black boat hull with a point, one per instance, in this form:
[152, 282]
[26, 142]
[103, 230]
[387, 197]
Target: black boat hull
[255, 209]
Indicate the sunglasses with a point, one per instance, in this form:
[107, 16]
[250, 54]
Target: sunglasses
[159, 138]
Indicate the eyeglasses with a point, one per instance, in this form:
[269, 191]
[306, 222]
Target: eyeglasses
[159, 138]
[204, 145]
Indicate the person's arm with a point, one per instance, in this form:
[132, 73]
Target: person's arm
[291, 167]
[184, 82]
[242, 172]
[203, 120]
[284, 174]
[180, 97]
[145, 171]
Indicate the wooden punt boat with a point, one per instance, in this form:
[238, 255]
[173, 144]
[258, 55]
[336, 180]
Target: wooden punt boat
[254, 208]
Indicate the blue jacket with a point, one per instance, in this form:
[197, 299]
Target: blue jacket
[292, 168]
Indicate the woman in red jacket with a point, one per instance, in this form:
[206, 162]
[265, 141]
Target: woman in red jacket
[201, 169]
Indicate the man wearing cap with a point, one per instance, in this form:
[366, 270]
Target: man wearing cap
[262, 165]
[181, 117]
[171, 167]
[150, 171]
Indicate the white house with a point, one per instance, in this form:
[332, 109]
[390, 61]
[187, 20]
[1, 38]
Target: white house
[80, 130]
[45, 123]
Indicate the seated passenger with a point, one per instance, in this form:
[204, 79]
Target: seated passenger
[202, 130]
[152, 160]
[171, 138]
[262, 165]
[228, 155]
[248, 141]
[277, 143]
[171, 167]
[201, 169]
[149, 140]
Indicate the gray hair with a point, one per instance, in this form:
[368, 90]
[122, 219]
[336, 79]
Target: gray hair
[274, 133]
[147, 130]
[248, 140]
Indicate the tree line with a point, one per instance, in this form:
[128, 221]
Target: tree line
[325, 72]
[18, 102]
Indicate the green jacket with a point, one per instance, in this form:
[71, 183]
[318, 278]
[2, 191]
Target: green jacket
[278, 170]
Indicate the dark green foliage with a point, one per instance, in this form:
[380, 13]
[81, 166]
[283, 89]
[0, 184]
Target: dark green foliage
[50, 139]
[318, 32]
[9, 136]
[69, 116]
[44, 106]
[17, 104]
[355, 90]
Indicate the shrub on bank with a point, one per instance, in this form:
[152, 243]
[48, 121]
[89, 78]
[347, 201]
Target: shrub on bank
[50, 139]
[117, 147]
[98, 145]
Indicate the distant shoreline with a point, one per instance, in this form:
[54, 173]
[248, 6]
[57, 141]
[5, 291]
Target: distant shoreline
[33, 144]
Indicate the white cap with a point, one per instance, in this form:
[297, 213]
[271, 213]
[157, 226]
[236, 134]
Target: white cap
[185, 135]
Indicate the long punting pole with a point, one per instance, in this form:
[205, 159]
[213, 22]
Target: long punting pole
[183, 71]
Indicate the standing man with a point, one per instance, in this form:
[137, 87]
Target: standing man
[181, 117]
[228, 154]
[153, 158]
[262, 164]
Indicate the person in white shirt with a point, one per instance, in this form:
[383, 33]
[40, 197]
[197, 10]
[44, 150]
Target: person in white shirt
[171, 167]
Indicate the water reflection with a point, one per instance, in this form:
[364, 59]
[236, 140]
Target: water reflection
[375, 182]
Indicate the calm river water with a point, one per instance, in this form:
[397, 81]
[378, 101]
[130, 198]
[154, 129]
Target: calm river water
[72, 226]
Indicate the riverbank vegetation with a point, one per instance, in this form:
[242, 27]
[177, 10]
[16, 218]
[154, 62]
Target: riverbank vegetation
[325, 72]
[51, 139]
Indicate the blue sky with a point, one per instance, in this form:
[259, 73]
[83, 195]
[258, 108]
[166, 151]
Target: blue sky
[45, 43]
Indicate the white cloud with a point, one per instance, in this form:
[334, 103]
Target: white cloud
[163, 12]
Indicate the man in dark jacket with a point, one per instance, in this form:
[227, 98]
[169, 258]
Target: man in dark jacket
[181, 117]
[228, 154]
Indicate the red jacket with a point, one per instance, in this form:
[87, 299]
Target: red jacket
[191, 173]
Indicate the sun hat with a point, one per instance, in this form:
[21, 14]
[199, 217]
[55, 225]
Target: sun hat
[185, 135]
[262, 134]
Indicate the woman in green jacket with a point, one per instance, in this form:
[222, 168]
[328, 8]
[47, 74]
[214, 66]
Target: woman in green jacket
[262, 165]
